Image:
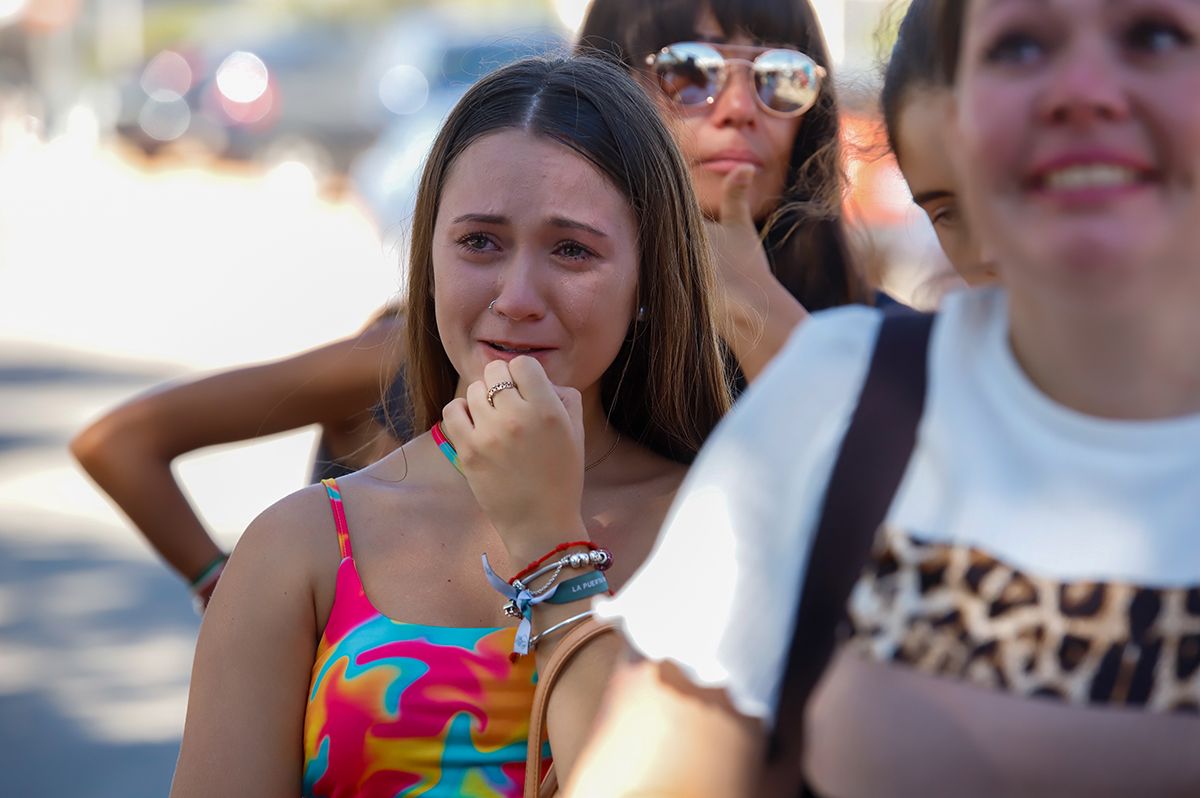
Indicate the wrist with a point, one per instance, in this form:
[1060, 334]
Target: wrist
[540, 582]
[748, 293]
[205, 581]
[534, 541]
[750, 313]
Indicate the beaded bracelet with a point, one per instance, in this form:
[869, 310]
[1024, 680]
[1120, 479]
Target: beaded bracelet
[556, 550]
[600, 559]
[522, 599]
[556, 571]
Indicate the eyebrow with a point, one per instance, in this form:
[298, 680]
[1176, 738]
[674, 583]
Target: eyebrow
[555, 221]
[481, 218]
[572, 224]
[930, 196]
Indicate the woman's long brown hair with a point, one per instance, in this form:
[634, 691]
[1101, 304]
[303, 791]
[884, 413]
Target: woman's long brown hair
[666, 389]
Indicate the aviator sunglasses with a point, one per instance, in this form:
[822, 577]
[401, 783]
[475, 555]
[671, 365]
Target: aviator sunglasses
[786, 82]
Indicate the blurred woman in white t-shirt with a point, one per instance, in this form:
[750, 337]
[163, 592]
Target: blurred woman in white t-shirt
[1029, 620]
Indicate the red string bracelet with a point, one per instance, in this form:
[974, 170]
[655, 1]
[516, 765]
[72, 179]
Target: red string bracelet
[533, 566]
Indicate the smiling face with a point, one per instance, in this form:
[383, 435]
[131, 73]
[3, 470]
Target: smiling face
[528, 223]
[921, 153]
[717, 138]
[1079, 138]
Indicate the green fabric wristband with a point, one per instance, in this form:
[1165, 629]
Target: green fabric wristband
[208, 570]
[579, 588]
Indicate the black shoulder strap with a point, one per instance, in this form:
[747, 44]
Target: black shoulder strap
[872, 460]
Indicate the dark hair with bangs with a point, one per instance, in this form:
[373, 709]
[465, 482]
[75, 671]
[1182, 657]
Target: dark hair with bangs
[666, 388]
[804, 237]
[948, 17]
[914, 65]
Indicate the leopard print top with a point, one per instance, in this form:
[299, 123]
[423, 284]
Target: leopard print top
[956, 612]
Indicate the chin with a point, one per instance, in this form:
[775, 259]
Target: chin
[1082, 244]
[1100, 271]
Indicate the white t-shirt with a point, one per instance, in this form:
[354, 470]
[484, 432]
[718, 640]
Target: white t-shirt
[1001, 478]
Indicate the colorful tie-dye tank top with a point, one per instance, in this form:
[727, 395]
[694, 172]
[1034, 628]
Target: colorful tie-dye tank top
[400, 709]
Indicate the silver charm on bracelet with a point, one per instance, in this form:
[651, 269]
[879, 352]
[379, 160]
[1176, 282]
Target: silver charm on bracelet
[600, 559]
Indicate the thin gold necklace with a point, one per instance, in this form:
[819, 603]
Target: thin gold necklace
[604, 456]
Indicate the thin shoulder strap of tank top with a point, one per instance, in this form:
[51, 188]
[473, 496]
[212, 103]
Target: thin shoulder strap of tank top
[339, 516]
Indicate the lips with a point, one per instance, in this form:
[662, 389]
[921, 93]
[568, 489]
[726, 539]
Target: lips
[1089, 176]
[511, 349]
[1090, 172]
[729, 159]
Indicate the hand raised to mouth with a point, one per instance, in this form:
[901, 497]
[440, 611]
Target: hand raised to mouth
[521, 450]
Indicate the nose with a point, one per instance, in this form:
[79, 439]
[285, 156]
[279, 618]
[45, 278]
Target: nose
[1085, 86]
[735, 106]
[519, 292]
[983, 266]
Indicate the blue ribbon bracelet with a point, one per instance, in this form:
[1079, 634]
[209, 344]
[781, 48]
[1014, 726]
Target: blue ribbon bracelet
[520, 604]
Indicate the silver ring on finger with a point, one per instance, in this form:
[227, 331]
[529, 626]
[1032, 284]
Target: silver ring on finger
[497, 388]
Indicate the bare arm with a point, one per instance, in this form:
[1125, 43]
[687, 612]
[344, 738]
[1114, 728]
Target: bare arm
[578, 696]
[761, 317]
[660, 735]
[245, 719]
[128, 452]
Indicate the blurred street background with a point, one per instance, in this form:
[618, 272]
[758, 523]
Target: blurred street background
[188, 186]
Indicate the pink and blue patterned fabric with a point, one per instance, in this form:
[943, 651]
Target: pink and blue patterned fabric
[399, 709]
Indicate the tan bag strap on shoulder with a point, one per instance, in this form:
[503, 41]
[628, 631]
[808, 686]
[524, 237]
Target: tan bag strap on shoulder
[579, 636]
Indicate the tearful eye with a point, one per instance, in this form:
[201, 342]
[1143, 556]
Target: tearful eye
[573, 250]
[1156, 36]
[476, 242]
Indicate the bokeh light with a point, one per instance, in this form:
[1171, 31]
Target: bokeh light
[242, 77]
[404, 89]
[167, 76]
[165, 120]
[248, 113]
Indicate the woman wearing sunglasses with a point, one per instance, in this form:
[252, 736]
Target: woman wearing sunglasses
[744, 87]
